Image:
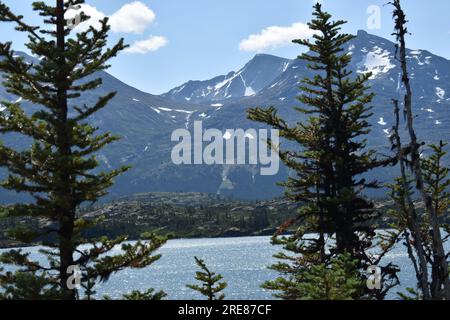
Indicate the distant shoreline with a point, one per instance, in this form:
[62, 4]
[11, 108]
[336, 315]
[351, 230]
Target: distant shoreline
[16, 246]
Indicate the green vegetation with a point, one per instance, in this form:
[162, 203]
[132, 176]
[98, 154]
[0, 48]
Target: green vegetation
[59, 170]
[325, 224]
[186, 215]
[177, 215]
[422, 233]
[148, 295]
[338, 281]
[327, 179]
[210, 287]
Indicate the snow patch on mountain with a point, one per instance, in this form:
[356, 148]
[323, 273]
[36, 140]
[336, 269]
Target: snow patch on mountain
[179, 89]
[382, 122]
[377, 61]
[225, 82]
[227, 135]
[249, 92]
[183, 111]
[440, 92]
[436, 77]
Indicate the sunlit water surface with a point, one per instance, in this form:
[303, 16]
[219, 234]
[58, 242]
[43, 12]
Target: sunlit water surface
[242, 261]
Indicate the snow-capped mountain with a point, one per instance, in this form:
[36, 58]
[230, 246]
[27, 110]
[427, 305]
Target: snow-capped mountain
[275, 81]
[430, 78]
[247, 82]
[429, 73]
[145, 122]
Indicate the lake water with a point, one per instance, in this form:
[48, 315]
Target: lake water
[242, 261]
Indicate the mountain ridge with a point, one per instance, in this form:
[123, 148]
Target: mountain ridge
[145, 122]
[247, 81]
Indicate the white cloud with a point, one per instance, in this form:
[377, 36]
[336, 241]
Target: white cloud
[275, 37]
[153, 43]
[133, 17]
[94, 14]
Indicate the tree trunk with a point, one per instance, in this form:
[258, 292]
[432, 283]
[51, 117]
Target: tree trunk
[65, 203]
[414, 223]
[438, 247]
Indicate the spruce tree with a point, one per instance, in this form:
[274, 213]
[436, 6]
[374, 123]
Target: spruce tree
[59, 169]
[331, 160]
[338, 281]
[437, 179]
[210, 287]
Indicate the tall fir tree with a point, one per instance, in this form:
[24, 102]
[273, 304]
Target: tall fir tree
[332, 159]
[59, 169]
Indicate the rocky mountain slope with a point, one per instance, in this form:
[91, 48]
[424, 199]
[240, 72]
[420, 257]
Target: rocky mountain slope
[145, 122]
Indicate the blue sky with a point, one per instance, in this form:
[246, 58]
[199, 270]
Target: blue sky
[179, 40]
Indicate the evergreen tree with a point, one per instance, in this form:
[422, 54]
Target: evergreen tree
[332, 158]
[27, 286]
[59, 169]
[149, 295]
[436, 183]
[338, 281]
[211, 286]
[437, 180]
